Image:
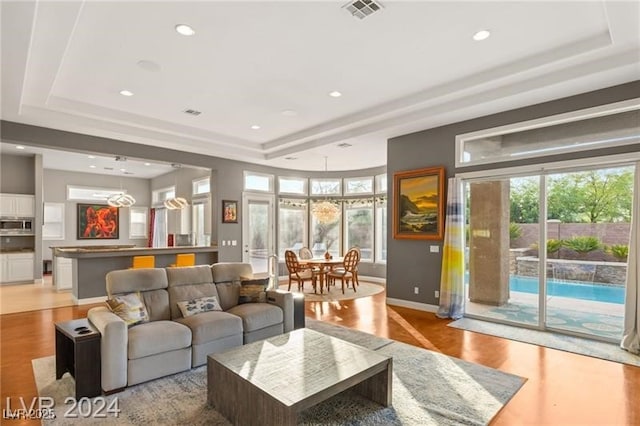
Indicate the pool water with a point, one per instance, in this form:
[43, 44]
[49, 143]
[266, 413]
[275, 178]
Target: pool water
[575, 290]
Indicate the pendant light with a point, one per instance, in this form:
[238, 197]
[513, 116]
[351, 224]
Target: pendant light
[121, 199]
[176, 203]
[325, 211]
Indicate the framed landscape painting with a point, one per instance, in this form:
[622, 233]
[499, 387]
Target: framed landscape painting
[98, 222]
[418, 204]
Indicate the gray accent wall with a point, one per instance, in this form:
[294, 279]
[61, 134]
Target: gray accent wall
[55, 191]
[17, 174]
[410, 263]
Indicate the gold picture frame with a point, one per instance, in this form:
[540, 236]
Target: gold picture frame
[418, 204]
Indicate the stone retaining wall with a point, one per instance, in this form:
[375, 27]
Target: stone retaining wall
[570, 270]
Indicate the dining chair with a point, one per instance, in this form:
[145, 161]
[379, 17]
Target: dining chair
[305, 253]
[298, 272]
[348, 273]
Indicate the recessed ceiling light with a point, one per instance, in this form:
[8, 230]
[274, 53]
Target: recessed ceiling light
[92, 166]
[481, 35]
[335, 94]
[91, 156]
[147, 164]
[289, 113]
[255, 127]
[19, 147]
[185, 30]
[123, 170]
[126, 93]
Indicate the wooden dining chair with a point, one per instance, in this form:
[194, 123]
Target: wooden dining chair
[348, 273]
[298, 272]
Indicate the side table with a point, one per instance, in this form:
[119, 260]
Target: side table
[78, 353]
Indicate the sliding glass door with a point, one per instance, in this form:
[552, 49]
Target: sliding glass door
[566, 272]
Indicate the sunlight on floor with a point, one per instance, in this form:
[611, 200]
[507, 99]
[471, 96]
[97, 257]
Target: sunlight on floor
[31, 297]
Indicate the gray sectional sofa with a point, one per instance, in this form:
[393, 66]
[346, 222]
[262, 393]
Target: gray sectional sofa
[170, 343]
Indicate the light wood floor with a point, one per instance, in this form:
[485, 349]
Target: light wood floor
[561, 389]
[30, 297]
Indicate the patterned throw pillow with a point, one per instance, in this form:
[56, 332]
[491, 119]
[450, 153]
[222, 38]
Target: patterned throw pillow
[253, 290]
[129, 307]
[196, 306]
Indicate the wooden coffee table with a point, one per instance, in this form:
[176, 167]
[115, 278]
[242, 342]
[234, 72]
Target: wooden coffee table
[271, 381]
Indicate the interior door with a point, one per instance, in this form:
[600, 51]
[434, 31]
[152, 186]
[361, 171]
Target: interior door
[258, 230]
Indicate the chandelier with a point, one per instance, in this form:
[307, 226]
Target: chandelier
[325, 211]
[121, 200]
[176, 203]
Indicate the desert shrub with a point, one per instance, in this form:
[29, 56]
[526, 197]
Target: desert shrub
[619, 251]
[553, 245]
[583, 244]
[515, 231]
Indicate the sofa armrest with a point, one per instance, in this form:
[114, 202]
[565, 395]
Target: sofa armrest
[113, 347]
[284, 299]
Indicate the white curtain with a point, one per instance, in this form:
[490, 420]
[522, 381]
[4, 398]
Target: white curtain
[631, 333]
[452, 275]
[160, 228]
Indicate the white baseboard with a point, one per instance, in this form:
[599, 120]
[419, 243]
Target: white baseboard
[89, 300]
[413, 305]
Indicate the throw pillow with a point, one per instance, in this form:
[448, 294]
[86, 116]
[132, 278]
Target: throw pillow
[196, 306]
[253, 290]
[129, 307]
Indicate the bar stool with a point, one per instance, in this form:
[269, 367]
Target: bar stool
[185, 259]
[144, 262]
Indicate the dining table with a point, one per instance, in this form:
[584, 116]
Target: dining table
[324, 265]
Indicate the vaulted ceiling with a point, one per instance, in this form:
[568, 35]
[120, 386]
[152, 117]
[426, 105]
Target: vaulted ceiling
[261, 73]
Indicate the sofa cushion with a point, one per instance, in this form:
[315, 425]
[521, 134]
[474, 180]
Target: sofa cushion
[257, 315]
[129, 307]
[132, 280]
[212, 325]
[224, 272]
[189, 283]
[229, 294]
[198, 306]
[157, 303]
[157, 337]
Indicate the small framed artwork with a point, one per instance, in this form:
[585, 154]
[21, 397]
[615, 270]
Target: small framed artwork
[418, 204]
[98, 222]
[229, 211]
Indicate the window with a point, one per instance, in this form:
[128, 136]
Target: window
[160, 195]
[138, 223]
[86, 193]
[362, 185]
[326, 236]
[592, 128]
[160, 228]
[53, 226]
[292, 225]
[292, 185]
[381, 229]
[258, 182]
[358, 228]
[201, 226]
[201, 186]
[381, 184]
[326, 187]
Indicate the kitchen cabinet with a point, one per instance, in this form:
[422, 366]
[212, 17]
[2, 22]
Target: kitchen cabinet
[16, 267]
[63, 273]
[17, 205]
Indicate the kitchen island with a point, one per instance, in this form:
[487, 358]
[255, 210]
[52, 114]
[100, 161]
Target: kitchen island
[83, 268]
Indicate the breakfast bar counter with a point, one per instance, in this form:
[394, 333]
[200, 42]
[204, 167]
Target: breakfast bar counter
[85, 267]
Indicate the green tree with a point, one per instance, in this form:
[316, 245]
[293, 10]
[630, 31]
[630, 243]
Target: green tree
[524, 200]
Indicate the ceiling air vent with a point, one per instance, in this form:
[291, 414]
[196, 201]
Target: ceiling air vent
[344, 145]
[363, 8]
[193, 112]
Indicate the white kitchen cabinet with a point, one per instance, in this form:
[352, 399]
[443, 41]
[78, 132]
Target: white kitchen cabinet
[63, 273]
[16, 267]
[17, 205]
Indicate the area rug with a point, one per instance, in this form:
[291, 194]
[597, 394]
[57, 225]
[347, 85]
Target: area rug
[604, 325]
[428, 389]
[593, 348]
[335, 292]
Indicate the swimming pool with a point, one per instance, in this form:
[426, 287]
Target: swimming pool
[584, 291]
